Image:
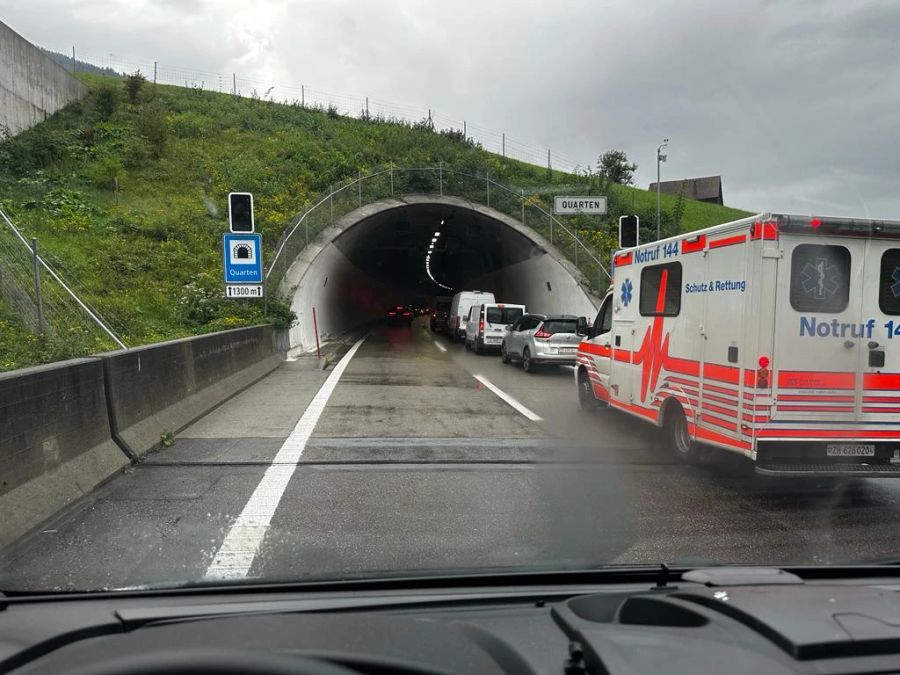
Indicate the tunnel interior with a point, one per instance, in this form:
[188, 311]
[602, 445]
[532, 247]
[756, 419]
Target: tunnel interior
[412, 253]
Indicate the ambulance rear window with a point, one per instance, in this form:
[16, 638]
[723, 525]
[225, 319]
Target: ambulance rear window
[889, 290]
[651, 279]
[820, 278]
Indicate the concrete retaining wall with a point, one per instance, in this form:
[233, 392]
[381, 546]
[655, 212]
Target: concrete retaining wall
[163, 387]
[55, 443]
[32, 87]
[66, 427]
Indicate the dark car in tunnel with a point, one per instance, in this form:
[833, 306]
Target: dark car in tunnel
[440, 313]
[399, 314]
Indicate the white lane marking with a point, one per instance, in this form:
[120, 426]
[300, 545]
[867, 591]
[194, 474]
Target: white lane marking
[509, 399]
[241, 544]
[440, 346]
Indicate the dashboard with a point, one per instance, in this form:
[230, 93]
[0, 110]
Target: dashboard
[735, 620]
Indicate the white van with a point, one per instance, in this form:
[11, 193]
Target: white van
[459, 311]
[770, 336]
[487, 324]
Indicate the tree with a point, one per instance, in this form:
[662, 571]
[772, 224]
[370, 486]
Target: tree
[133, 84]
[106, 100]
[613, 165]
[152, 125]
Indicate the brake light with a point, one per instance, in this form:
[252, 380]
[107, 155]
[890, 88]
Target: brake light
[542, 335]
[762, 373]
[407, 313]
[392, 313]
[481, 325]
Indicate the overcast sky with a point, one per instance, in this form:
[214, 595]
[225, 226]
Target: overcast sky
[794, 103]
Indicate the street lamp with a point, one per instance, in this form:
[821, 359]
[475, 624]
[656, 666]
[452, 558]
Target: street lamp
[659, 158]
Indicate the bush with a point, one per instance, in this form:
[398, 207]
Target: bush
[105, 171]
[280, 313]
[151, 124]
[106, 100]
[133, 84]
[136, 153]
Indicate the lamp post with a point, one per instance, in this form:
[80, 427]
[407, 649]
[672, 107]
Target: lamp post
[659, 158]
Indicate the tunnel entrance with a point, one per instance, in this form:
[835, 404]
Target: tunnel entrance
[410, 250]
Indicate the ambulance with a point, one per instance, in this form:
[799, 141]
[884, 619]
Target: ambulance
[776, 337]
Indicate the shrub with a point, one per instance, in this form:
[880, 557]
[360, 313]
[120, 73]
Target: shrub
[104, 172]
[106, 100]
[133, 84]
[151, 124]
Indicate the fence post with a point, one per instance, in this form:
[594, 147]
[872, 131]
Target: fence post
[37, 285]
[487, 182]
[523, 205]
[551, 229]
[441, 177]
[331, 201]
[234, 83]
[392, 178]
[504, 144]
[302, 96]
[576, 251]
[154, 72]
[359, 186]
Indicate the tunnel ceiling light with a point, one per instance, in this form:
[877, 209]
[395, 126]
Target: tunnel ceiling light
[442, 222]
[433, 239]
[437, 234]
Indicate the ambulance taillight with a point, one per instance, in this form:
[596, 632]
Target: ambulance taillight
[762, 373]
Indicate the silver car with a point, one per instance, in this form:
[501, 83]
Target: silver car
[535, 339]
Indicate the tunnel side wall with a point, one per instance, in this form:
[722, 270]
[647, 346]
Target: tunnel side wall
[527, 282]
[344, 296]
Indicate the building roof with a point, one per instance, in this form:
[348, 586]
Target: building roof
[707, 187]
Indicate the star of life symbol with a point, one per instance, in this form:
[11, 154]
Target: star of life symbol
[627, 287]
[821, 279]
[895, 287]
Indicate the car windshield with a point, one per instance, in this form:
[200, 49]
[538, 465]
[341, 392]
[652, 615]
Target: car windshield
[504, 315]
[560, 326]
[275, 282]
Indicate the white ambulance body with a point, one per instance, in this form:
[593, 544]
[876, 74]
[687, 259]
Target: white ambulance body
[777, 337]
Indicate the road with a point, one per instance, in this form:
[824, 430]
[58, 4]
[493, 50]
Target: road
[398, 459]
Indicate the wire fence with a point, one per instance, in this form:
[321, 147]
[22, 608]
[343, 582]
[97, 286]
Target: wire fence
[45, 303]
[492, 140]
[341, 199]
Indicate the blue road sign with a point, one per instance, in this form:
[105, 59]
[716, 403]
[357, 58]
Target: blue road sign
[243, 258]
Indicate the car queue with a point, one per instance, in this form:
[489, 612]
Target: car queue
[483, 324]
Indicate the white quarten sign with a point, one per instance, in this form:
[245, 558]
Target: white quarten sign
[568, 206]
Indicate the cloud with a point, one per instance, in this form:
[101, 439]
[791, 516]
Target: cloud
[792, 103]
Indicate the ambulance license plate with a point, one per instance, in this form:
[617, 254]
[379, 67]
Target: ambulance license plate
[850, 450]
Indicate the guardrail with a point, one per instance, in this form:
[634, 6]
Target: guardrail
[399, 181]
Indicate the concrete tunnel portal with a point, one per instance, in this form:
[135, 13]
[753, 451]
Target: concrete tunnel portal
[374, 257]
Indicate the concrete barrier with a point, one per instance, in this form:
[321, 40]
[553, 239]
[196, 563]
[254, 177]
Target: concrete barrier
[55, 443]
[160, 389]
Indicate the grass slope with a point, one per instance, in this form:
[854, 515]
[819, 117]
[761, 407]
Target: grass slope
[148, 256]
